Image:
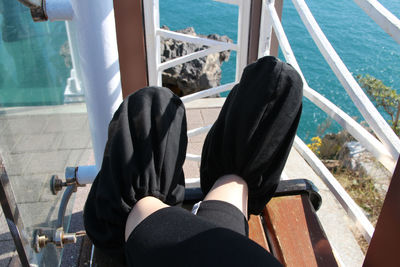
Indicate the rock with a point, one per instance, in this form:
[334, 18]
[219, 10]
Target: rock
[357, 159]
[332, 164]
[331, 144]
[195, 75]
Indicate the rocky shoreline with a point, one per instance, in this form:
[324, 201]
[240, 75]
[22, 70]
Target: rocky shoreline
[196, 75]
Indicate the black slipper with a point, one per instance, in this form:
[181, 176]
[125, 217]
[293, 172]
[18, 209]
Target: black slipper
[144, 155]
[255, 130]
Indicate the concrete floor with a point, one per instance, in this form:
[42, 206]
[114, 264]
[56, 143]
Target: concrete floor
[38, 142]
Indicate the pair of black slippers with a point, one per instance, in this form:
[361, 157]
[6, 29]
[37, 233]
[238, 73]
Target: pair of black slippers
[147, 142]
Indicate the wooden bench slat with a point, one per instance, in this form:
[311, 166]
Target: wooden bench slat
[295, 234]
[256, 231]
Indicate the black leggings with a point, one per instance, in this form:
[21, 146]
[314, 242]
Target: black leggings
[216, 236]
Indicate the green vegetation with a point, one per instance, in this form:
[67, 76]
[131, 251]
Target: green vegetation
[383, 96]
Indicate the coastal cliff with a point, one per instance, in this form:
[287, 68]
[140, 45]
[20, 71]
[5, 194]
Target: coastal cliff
[195, 75]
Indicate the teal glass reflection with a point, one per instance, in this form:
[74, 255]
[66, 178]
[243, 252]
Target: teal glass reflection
[35, 62]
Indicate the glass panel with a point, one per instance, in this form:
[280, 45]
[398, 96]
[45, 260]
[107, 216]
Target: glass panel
[40, 135]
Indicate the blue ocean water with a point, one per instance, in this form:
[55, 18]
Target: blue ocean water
[363, 46]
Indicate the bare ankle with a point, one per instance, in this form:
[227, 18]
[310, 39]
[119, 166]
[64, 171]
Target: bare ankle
[230, 188]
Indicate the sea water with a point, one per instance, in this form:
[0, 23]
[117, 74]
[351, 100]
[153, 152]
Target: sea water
[362, 45]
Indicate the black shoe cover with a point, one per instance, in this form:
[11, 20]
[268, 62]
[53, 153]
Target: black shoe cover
[255, 130]
[144, 155]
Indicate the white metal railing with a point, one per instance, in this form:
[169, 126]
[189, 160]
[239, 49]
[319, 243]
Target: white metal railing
[360, 99]
[387, 149]
[383, 17]
[155, 67]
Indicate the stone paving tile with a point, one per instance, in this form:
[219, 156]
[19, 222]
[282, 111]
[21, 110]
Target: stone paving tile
[194, 148]
[25, 125]
[194, 116]
[198, 138]
[53, 161]
[65, 122]
[191, 169]
[8, 142]
[75, 140]
[27, 188]
[16, 164]
[210, 115]
[79, 157]
[7, 251]
[38, 142]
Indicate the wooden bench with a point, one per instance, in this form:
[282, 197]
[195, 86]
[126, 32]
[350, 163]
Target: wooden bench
[289, 229]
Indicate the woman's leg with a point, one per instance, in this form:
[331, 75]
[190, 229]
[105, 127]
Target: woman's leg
[231, 189]
[173, 236]
[225, 205]
[143, 208]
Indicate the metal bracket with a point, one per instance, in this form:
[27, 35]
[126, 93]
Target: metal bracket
[59, 238]
[57, 184]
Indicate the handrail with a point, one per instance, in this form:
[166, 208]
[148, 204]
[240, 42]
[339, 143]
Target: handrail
[198, 131]
[362, 102]
[383, 17]
[195, 39]
[189, 57]
[208, 92]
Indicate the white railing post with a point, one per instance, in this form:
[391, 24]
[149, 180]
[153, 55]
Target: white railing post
[152, 24]
[264, 43]
[243, 36]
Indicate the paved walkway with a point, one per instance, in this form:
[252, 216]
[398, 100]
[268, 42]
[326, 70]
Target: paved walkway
[39, 142]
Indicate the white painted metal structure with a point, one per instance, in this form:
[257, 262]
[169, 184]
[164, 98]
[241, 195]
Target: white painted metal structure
[387, 148]
[91, 30]
[153, 34]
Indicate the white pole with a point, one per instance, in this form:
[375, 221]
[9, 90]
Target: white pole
[152, 25]
[243, 37]
[264, 43]
[96, 42]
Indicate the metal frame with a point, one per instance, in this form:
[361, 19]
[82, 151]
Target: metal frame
[12, 214]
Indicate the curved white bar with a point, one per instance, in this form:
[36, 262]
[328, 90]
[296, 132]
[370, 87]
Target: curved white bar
[195, 39]
[198, 131]
[208, 92]
[59, 10]
[86, 174]
[193, 157]
[189, 57]
[192, 182]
